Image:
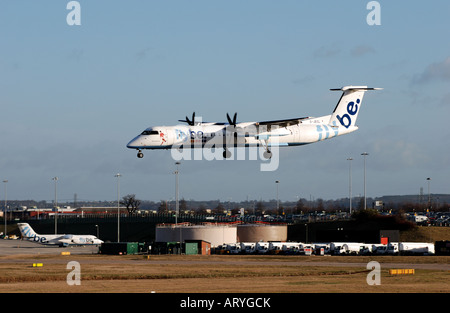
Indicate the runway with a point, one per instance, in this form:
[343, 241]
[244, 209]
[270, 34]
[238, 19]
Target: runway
[11, 248]
[21, 247]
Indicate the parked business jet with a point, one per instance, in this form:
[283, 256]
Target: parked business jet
[289, 132]
[62, 240]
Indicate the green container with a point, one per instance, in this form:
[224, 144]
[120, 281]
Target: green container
[132, 248]
[190, 248]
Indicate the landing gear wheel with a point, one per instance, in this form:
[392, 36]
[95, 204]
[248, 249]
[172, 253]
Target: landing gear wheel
[226, 154]
[267, 154]
[140, 155]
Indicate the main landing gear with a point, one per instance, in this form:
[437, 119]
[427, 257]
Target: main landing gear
[226, 153]
[267, 154]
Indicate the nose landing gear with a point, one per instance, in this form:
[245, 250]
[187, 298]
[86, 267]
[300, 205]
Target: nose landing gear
[140, 155]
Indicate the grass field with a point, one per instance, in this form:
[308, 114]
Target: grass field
[221, 274]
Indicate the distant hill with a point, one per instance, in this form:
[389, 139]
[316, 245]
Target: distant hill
[419, 199]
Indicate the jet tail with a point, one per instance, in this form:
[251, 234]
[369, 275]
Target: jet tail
[347, 108]
[26, 231]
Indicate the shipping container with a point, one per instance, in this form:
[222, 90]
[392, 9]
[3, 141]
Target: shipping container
[442, 247]
[190, 248]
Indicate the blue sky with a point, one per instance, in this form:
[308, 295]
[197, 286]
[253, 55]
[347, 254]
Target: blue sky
[71, 97]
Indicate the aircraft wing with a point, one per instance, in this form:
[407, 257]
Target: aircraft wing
[267, 128]
[283, 123]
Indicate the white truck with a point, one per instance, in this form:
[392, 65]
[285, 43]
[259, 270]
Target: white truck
[388, 249]
[232, 248]
[423, 248]
[318, 246]
[275, 247]
[419, 219]
[261, 247]
[346, 247]
[366, 249]
[291, 247]
[351, 248]
[335, 247]
[248, 247]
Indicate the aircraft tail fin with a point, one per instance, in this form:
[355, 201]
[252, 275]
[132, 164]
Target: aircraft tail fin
[26, 230]
[347, 108]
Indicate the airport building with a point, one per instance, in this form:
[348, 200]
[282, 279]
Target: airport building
[220, 233]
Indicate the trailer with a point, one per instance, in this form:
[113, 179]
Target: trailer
[411, 248]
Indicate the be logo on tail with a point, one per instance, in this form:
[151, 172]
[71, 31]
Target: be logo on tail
[352, 109]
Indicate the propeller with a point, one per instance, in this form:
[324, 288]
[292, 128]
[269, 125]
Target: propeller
[232, 122]
[192, 123]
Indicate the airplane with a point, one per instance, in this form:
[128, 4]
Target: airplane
[288, 132]
[61, 240]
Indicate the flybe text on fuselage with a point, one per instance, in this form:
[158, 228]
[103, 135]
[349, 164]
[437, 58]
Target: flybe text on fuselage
[352, 109]
[31, 235]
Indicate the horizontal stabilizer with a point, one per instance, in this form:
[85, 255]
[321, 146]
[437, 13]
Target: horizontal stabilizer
[345, 88]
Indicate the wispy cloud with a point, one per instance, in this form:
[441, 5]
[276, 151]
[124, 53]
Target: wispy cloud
[327, 51]
[76, 55]
[362, 50]
[399, 153]
[143, 53]
[438, 71]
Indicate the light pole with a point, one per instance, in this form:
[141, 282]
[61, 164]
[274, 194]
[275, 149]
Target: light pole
[429, 194]
[6, 205]
[278, 200]
[177, 208]
[56, 205]
[350, 183]
[118, 206]
[364, 154]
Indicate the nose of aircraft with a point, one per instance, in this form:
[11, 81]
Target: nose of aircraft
[134, 143]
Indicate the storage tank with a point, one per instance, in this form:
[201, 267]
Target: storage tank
[258, 232]
[214, 234]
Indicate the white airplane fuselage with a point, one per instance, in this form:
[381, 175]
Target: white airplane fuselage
[290, 132]
[167, 137]
[29, 234]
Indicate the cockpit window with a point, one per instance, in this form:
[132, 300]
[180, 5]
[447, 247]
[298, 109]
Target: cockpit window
[150, 132]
